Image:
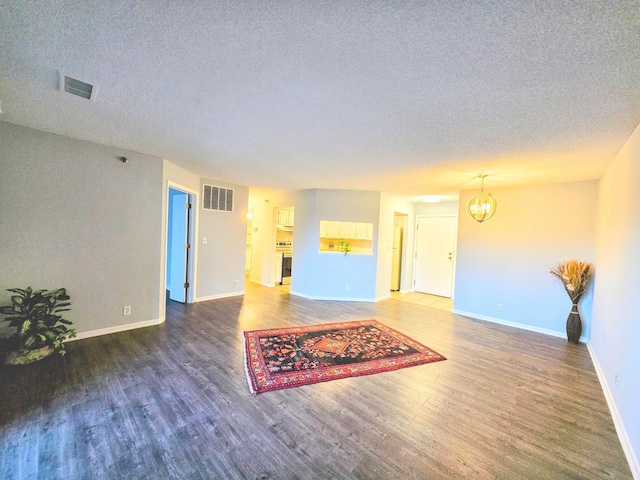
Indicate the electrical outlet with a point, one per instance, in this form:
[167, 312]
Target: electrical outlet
[235, 284]
[500, 307]
[126, 310]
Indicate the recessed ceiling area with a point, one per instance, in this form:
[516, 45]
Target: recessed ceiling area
[408, 98]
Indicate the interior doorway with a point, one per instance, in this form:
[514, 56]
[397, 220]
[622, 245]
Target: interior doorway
[179, 261]
[397, 255]
[435, 249]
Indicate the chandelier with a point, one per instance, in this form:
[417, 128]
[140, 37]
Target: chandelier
[481, 206]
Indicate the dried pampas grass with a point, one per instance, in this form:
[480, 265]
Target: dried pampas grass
[575, 275]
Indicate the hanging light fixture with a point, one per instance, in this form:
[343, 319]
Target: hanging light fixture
[481, 206]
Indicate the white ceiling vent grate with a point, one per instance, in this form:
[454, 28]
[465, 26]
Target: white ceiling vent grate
[217, 198]
[78, 87]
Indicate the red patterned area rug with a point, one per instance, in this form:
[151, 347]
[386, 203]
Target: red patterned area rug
[280, 358]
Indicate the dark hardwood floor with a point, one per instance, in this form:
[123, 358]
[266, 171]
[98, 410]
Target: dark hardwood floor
[172, 402]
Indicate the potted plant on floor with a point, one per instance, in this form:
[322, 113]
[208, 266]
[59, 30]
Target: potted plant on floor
[41, 330]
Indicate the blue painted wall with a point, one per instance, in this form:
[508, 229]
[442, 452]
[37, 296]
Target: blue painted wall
[333, 275]
[176, 238]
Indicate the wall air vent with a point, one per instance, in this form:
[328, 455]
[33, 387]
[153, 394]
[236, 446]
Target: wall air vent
[217, 198]
[77, 87]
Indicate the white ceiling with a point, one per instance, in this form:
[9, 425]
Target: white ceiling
[405, 97]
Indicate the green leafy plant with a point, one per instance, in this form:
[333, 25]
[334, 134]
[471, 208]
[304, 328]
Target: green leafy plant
[36, 316]
[345, 246]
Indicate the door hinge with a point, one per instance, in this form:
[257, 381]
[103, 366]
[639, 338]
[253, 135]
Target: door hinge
[187, 246]
[186, 285]
[188, 206]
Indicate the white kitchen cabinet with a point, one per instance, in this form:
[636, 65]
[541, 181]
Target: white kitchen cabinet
[359, 231]
[324, 229]
[357, 234]
[363, 231]
[334, 229]
[349, 230]
[285, 217]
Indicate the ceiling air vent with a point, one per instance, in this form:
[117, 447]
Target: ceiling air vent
[78, 87]
[217, 198]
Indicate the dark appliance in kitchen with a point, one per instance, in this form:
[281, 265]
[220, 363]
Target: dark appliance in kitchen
[284, 249]
[286, 268]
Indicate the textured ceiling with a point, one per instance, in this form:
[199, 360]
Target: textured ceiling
[404, 97]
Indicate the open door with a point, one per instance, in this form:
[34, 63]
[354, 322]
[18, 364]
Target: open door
[178, 245]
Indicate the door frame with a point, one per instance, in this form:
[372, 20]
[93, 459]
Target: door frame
[455, 252]
[404, 247]
[192, 238]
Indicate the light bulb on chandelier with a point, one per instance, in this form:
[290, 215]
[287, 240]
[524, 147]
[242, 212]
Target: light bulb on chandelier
[481, 206]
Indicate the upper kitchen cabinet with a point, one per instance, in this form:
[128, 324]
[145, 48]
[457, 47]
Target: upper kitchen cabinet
[335, 230]
[332, 229]
[363, 231]
[359, 234]
[285, 217]
[347, 230]
[324, 229]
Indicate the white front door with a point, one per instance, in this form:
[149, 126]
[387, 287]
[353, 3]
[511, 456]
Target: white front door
[435, 247]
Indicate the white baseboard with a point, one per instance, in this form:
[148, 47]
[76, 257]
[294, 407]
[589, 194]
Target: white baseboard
[116, 329]
[339, 299]
[617, 421]
[220, 295]
[523, 326]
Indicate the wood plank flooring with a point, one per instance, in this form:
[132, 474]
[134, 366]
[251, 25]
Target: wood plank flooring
[433, 301]
[172, 402]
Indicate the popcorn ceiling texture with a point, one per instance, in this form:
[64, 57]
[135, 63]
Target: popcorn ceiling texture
[409, 98]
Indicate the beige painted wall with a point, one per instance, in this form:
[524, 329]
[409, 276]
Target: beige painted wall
[615, 335]
[389, 206]
[506, 260]
[265, 204]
